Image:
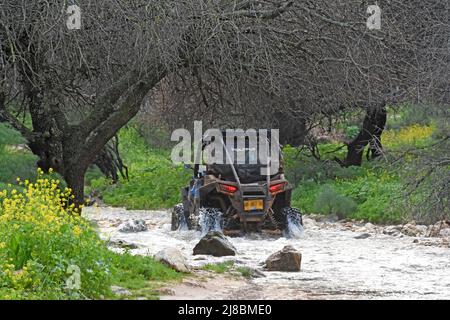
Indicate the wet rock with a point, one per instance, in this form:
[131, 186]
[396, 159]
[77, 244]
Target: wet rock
[119, 291]
[436, 229]
[288, 259]
[194, 284]
[413, 230]
[362, 236]
[166, 292]
[174, 259]
[445, 233]
[392, 230]
[122, 244]
[215, 244]
[133, 225]
[255, 273]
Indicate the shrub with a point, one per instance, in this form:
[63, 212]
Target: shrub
[154, 183]
[351, 132]
[328, 201]
[13, 162]
[41, 235]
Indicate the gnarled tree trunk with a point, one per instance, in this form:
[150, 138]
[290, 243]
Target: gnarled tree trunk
[370, 134]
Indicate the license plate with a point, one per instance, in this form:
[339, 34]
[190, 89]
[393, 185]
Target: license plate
[250, 205]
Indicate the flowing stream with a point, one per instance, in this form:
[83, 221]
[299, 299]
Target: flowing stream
[335, 264]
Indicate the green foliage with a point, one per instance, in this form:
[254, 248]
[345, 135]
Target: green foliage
[9, 136]
[328, 201]
[377, 194]
[154, 181]
[351, 132]
[134, 272]
[408, 115]
[14, 162]
[42, 238]
[246, 272]
[221, 267]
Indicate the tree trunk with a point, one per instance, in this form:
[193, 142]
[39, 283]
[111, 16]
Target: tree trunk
[74, 178]
[373, 126]
[110, 162]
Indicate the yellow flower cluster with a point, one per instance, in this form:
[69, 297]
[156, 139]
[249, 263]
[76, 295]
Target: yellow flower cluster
[43, 204]
[30, 212]
[407, 135]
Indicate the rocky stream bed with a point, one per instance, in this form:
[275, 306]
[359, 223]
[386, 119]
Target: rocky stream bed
[340, 260]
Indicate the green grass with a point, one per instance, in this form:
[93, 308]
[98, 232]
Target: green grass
[154, 181]
[14, 163]
[246, 272]
[41, 239]
[221, 267]
[377, 190]
[141, 275]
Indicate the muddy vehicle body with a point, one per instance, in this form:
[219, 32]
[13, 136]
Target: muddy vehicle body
[237, 198]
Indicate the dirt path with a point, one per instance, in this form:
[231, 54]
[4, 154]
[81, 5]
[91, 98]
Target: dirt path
[340, 261]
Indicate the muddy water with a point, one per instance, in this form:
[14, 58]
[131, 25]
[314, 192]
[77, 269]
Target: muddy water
[335, 265]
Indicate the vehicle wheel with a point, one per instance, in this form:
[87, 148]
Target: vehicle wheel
[179, 221]
[293, 222]
[210, 220]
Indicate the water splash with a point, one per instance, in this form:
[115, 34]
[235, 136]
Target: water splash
[210, 220]
[182, 224]
[294, 227]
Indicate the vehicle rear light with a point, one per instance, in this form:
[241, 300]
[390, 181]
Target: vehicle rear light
[276, 188]
[227, 188]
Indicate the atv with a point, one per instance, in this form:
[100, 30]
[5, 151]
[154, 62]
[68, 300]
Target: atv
[236, 199]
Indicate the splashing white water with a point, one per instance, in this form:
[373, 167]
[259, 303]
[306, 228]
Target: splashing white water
[183, 226]
[294, 228]
[210, 220]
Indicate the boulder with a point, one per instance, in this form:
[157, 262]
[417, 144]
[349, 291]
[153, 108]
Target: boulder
[122, 244]
[119, 291]
[215, 244]
[445, 233]
[392, 230]
[173, 258]
[288, 259]
[133, 225]
[413, 230]
[437, 230]
[362, 236]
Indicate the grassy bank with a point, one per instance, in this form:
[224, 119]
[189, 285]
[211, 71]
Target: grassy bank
[373, 192]
[154, 182]
[47, 251]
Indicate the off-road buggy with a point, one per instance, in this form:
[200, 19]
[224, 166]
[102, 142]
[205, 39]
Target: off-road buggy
[236, 198]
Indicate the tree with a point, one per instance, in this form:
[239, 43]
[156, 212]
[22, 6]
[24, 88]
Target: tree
[296, 61]
[81, 86]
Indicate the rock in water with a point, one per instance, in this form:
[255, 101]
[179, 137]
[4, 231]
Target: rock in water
[214, 243]
[288, 259]
[119, 291]
[137, 225]
[173, 258]
[362, 236]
